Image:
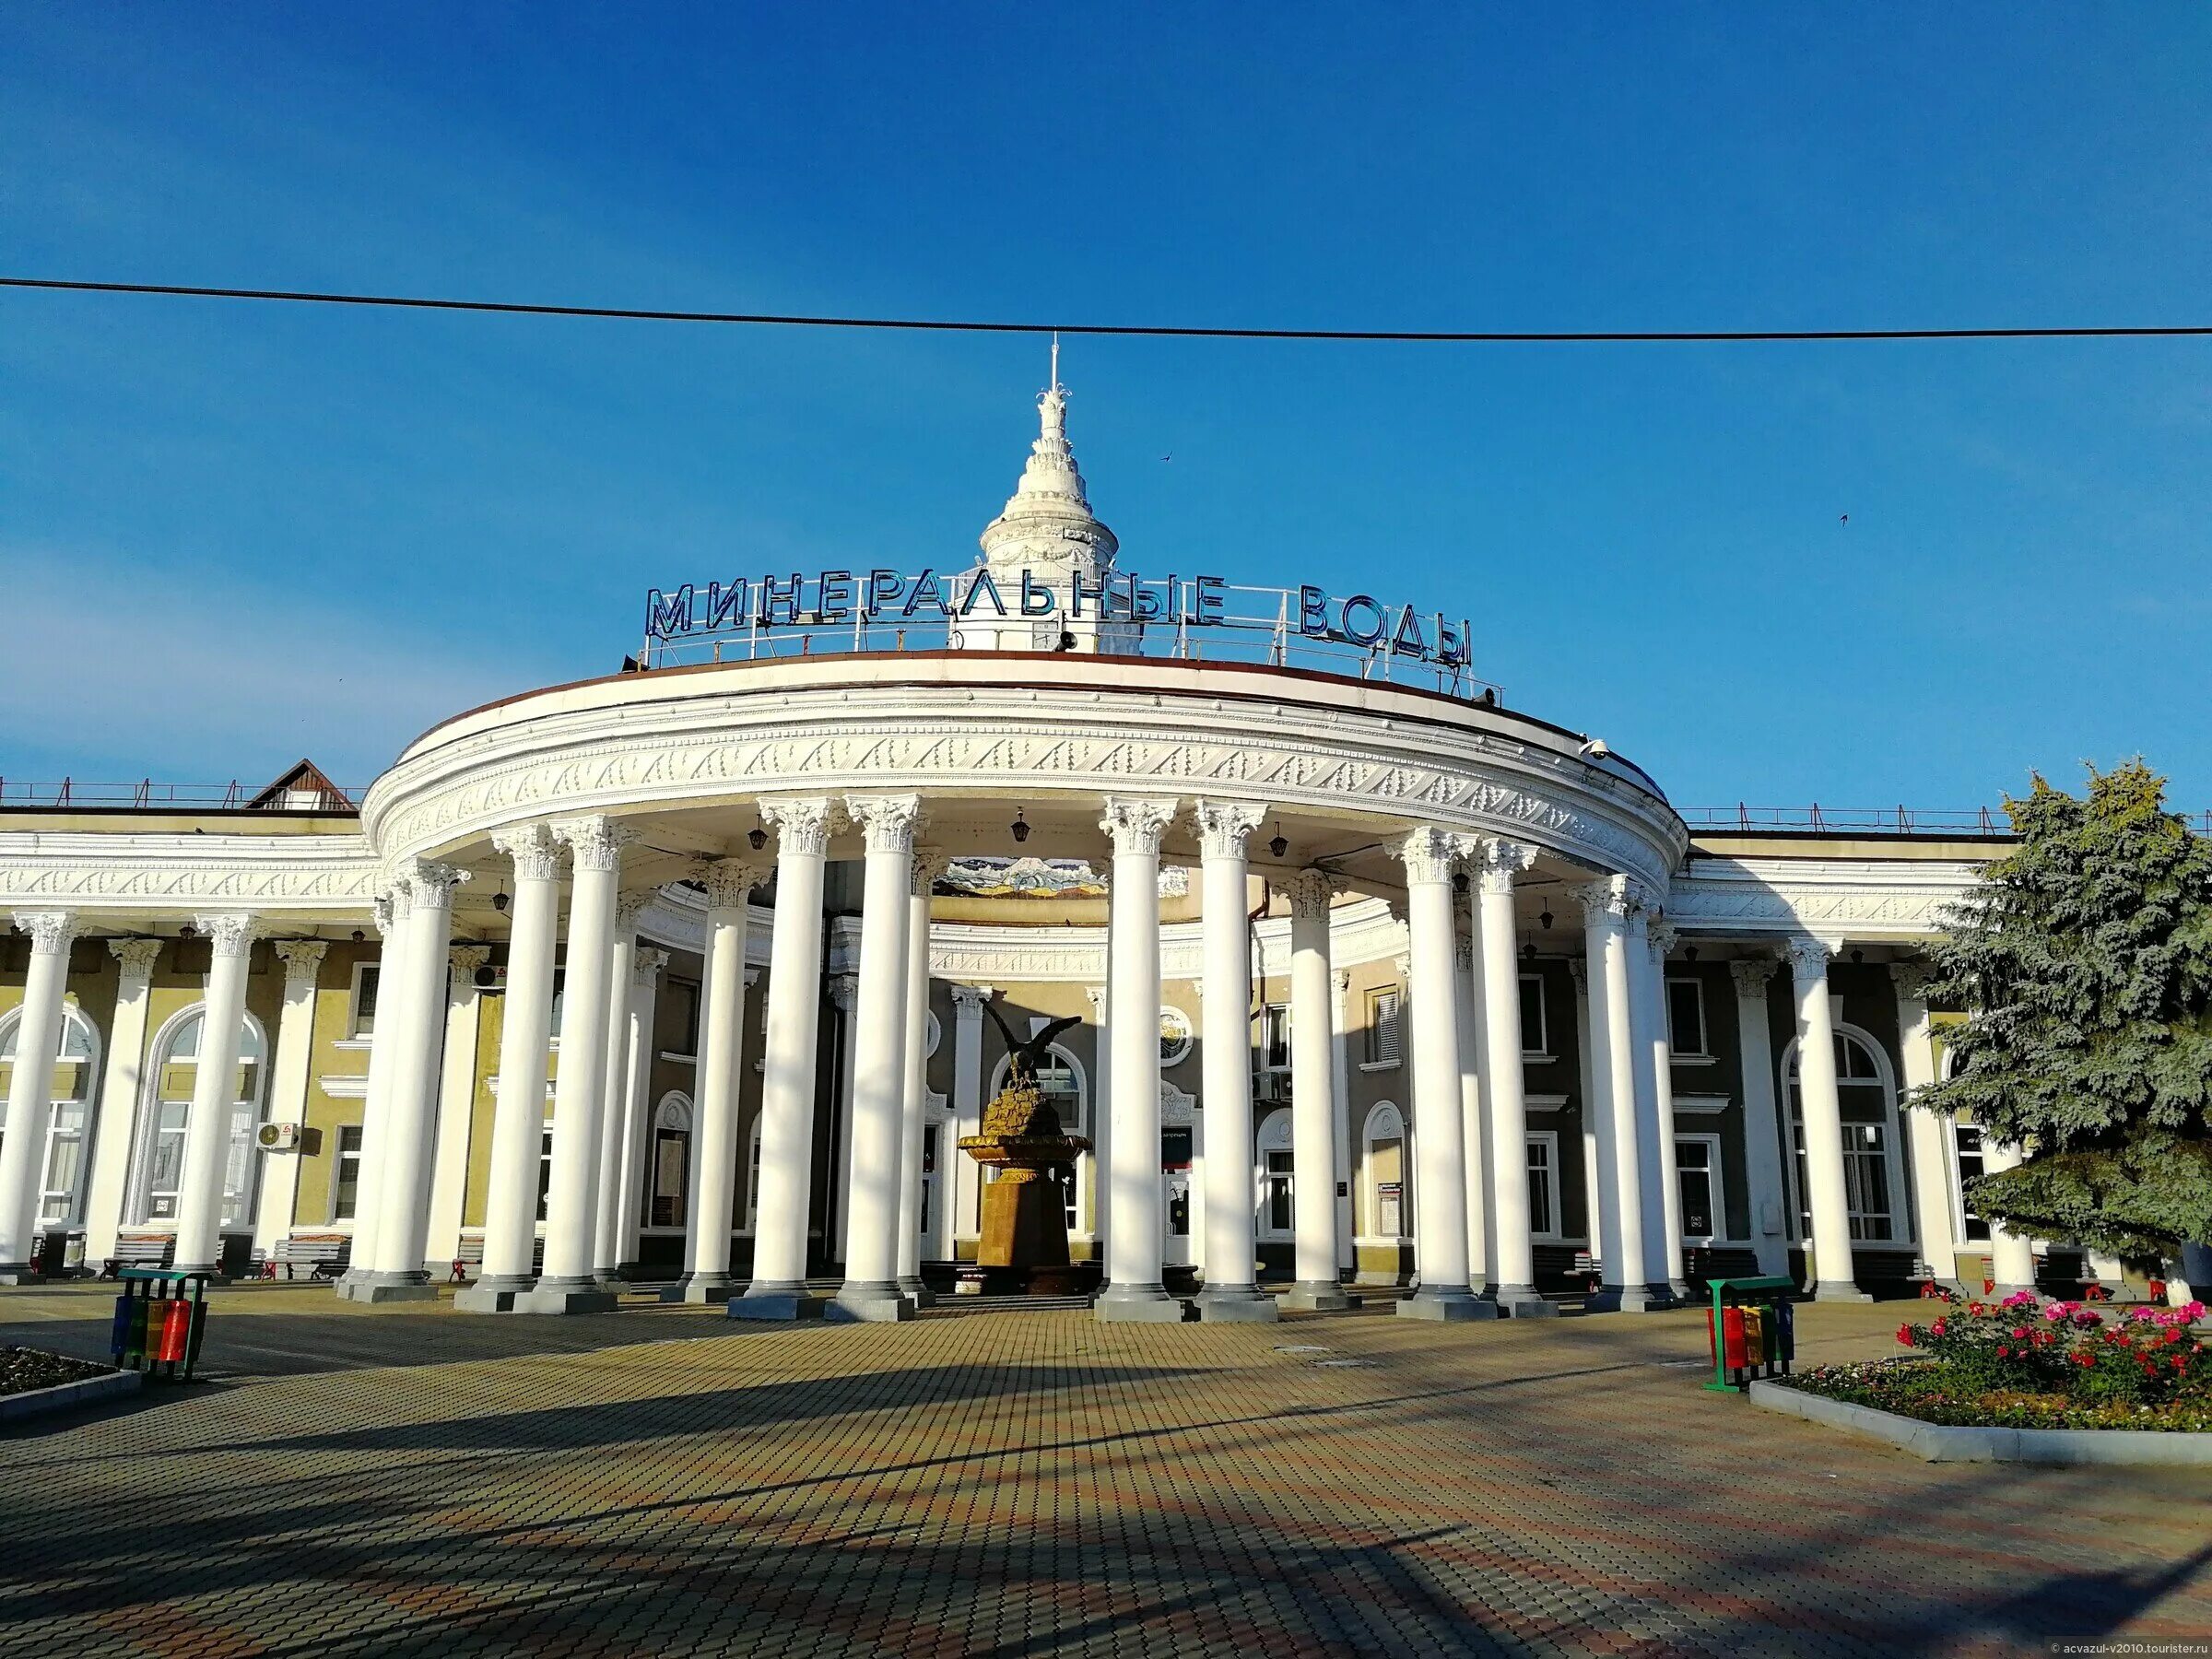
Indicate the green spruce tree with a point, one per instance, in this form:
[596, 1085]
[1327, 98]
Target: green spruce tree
[2083, 960]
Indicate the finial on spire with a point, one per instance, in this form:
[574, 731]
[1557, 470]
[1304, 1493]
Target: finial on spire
[1056, 381]
[1053, 405]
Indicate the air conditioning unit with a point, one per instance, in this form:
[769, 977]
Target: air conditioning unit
[278, 1137]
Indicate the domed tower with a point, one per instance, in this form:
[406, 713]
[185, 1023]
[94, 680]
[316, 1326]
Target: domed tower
[1048, 529]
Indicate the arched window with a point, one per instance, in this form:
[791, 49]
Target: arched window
[1872, 1178]
[69, 1124]
[1277, 1220]
[1389, 1174]
[1061, 1079]
[752, 1172]
[158, 1164]
[669, 1169]
[1175, 1036]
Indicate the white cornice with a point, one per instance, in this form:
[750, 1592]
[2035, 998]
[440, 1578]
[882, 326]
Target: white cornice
[1866, 899]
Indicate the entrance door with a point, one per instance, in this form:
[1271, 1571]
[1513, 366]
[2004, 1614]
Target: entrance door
[1175, 1198]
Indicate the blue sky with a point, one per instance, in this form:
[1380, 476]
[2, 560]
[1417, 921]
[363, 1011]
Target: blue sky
[231, 535]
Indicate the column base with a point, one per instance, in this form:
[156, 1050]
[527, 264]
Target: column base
[1137, 1304]
[700, 1290]
[565, 1296]
[1323, 1296]
[867, 1304]
[1679, 1290]
[395, 1290]
[1521, 1302]
[915, 1291]
[1450, 1306]
[489, 1296]
[1236, 1304]
[779, 1303]
[19, 1273]
[1627, 1298]
[1997, 1293]
[1838, 1290]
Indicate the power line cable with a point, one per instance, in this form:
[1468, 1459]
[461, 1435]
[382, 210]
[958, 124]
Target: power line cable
[1156, 331]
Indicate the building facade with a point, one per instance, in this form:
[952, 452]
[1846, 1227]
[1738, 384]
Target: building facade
[680, 976]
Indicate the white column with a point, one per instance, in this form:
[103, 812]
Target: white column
[637, 1094]
[1439, 1195]
[1768, 1195]
[2011, 1257]
[289, 1079]
[1314, 1108]
[214, 1092]
[518, 1123]
[614, 1094]
[30, 1089]
[456, 1111]
[1340, 1125]
[566, 1285]
[1926, 1134]
[396, 1272]
[1649, 942]
[1134, 1290]
[1232, 1289]
[870, 1290]
[393, 909]
[1467, 1000]
[1822, 1112]
[119, 1096]
[1100, 1117]
[966, 1175]
[712, 1208]
[1606, 907]
[1505, 1093]
[928, 865]
[778, 1289]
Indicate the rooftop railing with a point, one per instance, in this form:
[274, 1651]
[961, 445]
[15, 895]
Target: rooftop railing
[1866, 821]
[147, 795]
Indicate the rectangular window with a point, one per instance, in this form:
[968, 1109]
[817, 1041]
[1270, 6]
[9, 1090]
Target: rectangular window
[1277, 1203]
[545, 1170]
[1685, 1018]
[345, 1176]
[929, 1178]
[1697, 1159]
[1275, 1038]
[561, 987]
[1544, 1185]
[1536, 1031]
[671, 1155]
[65, 1161]
[683, 993]
[1867, 1180]
[361, 1022]
[1385, 1042]
[1968, 1138]
[168, 1170]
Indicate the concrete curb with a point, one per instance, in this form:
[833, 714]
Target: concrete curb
[67, 1396]
[1938, 1443]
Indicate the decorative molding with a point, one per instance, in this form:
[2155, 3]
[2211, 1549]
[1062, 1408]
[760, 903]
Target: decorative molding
[138, 957]
[1136, 823]
[1429, 855]
[887, 821]
[630, 905]
[1663, 939]
[1311, 892]
[802, 825]
[461, 964]
[928, 865]
[1901, 899]
[1177, 1109]
[51, 931]
[231, 933]
[535, 853]
[302, 960]
[1225, 826]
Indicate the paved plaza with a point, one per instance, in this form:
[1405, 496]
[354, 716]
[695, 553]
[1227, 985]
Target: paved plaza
[660, 1481]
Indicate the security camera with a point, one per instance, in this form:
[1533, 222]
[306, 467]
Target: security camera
[1595, 748]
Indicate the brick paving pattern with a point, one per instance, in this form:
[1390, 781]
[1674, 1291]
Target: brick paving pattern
[655, 1481]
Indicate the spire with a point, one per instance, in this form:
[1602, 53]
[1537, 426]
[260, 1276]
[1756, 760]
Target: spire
[1048, 520]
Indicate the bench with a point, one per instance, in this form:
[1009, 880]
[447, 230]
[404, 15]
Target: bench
[139, 1249]
[325, 1255]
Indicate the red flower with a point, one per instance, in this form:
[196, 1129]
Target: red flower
[1988, 1286]
[1904, 1335]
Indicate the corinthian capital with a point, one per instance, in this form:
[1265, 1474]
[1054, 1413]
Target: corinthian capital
[886, 822]
[968, 1002]
[1752, 975]
[645, 967]
[632, 903]
[595, 843]
[138, 957]
[302, 960]
[535, 853]
[845, 992]
[1224, 825]
[1497, 861]
[429, 885]
[1429, 855]
[1309, 892]
[1913, 979]
[1136, 823]
[730, 881]
[50, 931]
[1663, 939]
[1606, 902]
[231, 933]
[801, 826]
[461, 964]
[929, 862]
[1808, 959]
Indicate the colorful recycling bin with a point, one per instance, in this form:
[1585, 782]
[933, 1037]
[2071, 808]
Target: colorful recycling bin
[159, 1320]
[1753, 1331]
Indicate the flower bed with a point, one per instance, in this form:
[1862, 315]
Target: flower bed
[2020, 1363]
[22, 1370]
